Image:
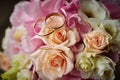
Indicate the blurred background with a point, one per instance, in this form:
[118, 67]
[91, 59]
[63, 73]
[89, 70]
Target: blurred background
[6, 8]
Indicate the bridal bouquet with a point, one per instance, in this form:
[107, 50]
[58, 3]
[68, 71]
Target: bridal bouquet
[61, 40]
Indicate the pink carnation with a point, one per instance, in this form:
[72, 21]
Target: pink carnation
[35, 9]
[28, 44]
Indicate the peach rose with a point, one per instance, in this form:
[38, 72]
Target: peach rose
[96, 41]
[54, 31]
[58, 36]
[4, 62]
[61, 36]
[53, 63]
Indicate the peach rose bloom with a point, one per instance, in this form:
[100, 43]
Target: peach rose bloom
[4, 62]
[96, 41]
[61, 36]
[56, 32]
[53, 63]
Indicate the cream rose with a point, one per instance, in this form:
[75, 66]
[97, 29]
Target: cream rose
[109, 26]
[53, 63]
[84, 63]
[96, 67]
[54, 31]
[92, 9]
[96, 41]
[25, 74]
[105, 68]
[112, 27]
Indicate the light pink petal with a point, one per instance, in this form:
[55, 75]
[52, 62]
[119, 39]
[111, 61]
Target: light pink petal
[81, 26]
[29, 26]
[12, 49]
[31, 10]
[47, 6]
[70, 10]
[19, 14]
[30, 45]
[12, 46]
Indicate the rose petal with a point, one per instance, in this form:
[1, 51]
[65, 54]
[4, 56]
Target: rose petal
[21, 12]
[30, 45]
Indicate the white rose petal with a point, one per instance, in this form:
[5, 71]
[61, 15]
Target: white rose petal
[93, 9]
[96, 67]
[24, 74]
[105, 68]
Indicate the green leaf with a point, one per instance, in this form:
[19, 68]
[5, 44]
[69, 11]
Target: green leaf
[10, 74]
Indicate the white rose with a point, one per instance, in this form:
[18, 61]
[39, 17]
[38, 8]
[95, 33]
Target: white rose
[25, 74]
[112, 27]
[92, 9]
[96, 67]
[105, 68]
[85, 65]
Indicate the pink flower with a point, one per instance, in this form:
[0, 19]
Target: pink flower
[20, 38]
[35, 9]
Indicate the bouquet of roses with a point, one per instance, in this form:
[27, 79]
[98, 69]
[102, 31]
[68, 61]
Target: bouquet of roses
[61, 40]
